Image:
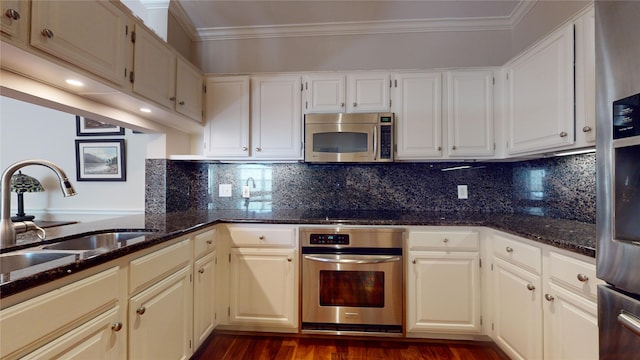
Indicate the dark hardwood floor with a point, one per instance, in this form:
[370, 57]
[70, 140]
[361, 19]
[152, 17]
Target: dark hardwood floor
[231, 346]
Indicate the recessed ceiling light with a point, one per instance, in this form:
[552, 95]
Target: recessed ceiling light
[145, 110]
[74, 82]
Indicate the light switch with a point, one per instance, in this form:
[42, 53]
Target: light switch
[463, 192]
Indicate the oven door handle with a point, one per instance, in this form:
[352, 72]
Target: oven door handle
[363, 259]
[629, 321]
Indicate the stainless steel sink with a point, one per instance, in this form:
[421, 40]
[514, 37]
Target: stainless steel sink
[105, 240]
[12, 262]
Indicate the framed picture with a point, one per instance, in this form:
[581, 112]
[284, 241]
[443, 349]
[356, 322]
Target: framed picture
[90, 127]
[100, 160]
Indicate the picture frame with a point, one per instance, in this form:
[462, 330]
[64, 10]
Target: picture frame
[90, 127]
[100, 160]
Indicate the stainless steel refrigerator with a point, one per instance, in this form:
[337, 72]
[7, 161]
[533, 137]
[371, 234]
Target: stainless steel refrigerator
[618, 177]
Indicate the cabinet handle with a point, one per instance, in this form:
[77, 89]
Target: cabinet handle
[244, 148]
[181, 103]
[530, 287]
[413, 261]
[563, 134]
[586, 129]
[509, 249]
[341, 105]
[549, 297]
[439, 148]
[173, 98]
[47, 33]
[453, 147]
[12, 14]
[582, 278]
[141, 310]
[355, 104]
[117, 326]
[445, 240]
[261, 237]
[258, 149]
[209, 242]
[201, 271]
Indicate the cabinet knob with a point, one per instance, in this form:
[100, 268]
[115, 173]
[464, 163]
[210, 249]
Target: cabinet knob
[173, 98]
[563, 134]
[445, 240]
[201, 270]
[289, 259]
[341, 104]
[209, 242]
[244, 148]
[439, 148]
[509, 249]
[549, 297]
[47, 33]
[586, 129]
[530, 287]
[453, 147]
[582, 278]
[258, 149]
[12, 14]
[181, 103]
[261, 237]
[355, 104]
[413, 261]
[141, 310]
[116, 326]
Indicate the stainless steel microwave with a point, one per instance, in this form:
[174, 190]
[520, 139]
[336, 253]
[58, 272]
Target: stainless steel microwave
[353, 138]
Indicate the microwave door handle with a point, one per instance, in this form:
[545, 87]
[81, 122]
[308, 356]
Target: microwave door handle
[375, 142]
[367, 260]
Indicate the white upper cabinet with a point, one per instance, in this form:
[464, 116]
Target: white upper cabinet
[154, 75]
[227, 117]
[276, 117]
[418, 108]
[324, 93]
[541, 94]
[469, 114]
[368, 92]
[188, 90]
[585, 79]
[14, 22]
[92, 35]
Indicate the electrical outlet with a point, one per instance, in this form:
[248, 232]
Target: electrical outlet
[224, 190]
[246, 193]
[463, 192]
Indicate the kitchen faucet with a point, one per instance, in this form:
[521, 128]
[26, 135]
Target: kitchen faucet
[7, 227]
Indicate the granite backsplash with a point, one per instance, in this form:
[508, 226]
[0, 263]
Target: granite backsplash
[559, 187]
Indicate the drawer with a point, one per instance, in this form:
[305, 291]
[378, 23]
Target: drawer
[147, 269]
[576, 275]
[443, 241]
[49, 315]
[278, 236]
[524, 255]
[204, 243]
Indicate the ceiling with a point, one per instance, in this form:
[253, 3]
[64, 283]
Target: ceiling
[215, 16]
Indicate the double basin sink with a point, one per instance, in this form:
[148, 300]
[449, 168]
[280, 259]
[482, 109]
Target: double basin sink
[96, 243]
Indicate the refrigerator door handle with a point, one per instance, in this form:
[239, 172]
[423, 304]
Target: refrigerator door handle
[629, 321]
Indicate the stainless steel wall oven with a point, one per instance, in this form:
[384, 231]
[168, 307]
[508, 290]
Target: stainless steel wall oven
[352, 280]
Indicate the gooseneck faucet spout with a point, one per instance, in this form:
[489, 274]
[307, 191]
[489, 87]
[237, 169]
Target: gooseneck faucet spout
[7, 228]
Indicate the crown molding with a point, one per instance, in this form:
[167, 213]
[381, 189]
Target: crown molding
[183, 20]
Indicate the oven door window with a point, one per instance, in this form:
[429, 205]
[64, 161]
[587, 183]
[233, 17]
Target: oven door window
[340, 142]
[352, 288]
[627, 193]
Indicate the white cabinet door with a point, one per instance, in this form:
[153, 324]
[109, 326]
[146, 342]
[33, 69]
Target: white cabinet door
[517, 297]
[444, 292]
[368, 92]
[324, 93]
[540, 87]
[262, 285]
[585, 80]
[204, 298]
[418, 108]
[160, 319]
[154, 69]
[188, 90]
[14, 22]
[100, 338]
[227, 117]
[276, 118]
[571, 322]
[90, 34]
[470, 113]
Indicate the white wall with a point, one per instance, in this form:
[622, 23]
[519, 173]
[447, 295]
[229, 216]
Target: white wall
[30, 131]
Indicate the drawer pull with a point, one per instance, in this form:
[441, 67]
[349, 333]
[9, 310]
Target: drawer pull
[261, 237]
[141, 310]
[509, 249]
[563, 134]
[583, 278]
[209, 242]
[201, 270]
[445, 240]
[413, 261]
[117, 326]
[12, 14]
[530, 287]
[549, 297]
[289, 259]
[629, 321]
[47, 33]
[586, 129]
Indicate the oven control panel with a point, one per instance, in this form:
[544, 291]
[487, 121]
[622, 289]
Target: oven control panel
[329, 239]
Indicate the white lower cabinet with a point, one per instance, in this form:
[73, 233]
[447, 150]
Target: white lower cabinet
[204, 294]
[160, 319]
[262, 287]
[443, 282]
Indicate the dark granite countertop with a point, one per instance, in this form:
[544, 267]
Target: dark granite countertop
[574, 236]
